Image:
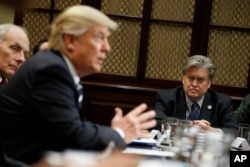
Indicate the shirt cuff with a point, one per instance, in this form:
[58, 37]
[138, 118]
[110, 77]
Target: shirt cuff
[121, 133]
[219, 130]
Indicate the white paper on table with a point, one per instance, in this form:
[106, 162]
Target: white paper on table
[144, 141]
[149, 152]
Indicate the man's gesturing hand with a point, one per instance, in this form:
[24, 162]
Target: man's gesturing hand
[134, 123]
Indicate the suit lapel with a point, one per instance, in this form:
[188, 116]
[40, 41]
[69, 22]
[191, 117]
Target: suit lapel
[207, 107]
[72, 80]
[181, 106]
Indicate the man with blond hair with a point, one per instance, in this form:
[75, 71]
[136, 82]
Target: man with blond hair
[41, 108]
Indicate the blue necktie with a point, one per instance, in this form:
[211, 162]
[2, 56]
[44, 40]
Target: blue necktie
[80, 94]
[194, 115]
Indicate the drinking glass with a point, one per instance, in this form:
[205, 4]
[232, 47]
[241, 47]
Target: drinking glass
[244, 131]
[169, 125]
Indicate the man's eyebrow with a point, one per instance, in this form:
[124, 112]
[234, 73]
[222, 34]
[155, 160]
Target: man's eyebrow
[104, 33]
[20, 46]
[16, 44]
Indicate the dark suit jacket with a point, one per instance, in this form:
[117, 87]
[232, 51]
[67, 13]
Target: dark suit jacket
[1, 148]
[173, 103]
[4, 160]
[39, 112]
[242, 113]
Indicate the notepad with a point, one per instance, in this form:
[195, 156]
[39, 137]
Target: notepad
[144, 143]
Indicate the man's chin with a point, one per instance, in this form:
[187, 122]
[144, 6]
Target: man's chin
[98, 68]
[193, 96]
[9, 74]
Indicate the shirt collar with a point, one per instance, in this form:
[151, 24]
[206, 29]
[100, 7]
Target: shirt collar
[190, 102]
[72, 70]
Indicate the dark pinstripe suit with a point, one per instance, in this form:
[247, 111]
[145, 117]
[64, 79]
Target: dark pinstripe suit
[40, 112]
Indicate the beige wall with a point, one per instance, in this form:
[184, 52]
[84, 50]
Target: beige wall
[6, 14]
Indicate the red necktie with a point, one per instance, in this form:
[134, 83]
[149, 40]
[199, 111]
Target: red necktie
[4, 81]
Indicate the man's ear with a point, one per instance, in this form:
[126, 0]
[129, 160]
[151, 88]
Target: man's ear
[69, 42]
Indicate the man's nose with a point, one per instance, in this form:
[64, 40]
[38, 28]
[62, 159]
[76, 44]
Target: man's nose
[21, 57]
[106, 46]
[195, 82]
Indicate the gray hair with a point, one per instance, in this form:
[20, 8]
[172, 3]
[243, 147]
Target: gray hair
[4, 29]
[75, 20]
[199, 61]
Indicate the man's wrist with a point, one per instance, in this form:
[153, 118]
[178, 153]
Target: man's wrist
[219, 130]
[121, 133]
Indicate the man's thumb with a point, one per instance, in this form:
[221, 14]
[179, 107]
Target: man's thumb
[118, 112]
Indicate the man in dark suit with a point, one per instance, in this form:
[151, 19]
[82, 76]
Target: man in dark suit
[214, 110]
[14, 44]
[242, 113]
[40, 108]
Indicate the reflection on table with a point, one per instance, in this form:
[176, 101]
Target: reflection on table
[188, 146]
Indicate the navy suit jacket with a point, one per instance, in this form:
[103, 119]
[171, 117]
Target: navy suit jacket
[1, 149]
[39, 112]
[4, 160]
[172, 102]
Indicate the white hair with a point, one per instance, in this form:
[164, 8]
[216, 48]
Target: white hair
[5, 28]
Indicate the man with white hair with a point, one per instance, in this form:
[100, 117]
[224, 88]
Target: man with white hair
[14, 44]
[40, 108]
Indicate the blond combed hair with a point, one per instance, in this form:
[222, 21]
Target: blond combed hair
[75, 20]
